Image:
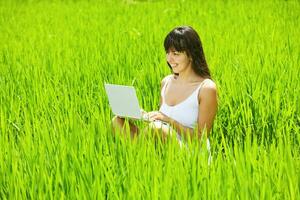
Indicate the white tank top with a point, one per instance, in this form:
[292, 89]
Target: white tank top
[186, 112]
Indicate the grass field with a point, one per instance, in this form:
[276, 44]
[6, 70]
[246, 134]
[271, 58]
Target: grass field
[55, 135]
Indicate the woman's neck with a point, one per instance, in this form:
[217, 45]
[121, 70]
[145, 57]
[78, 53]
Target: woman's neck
[188, 77]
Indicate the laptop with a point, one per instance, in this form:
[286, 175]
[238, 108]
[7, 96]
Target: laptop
[124, 102]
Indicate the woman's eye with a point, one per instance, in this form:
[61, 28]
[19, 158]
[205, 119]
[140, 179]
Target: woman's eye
[174, 53]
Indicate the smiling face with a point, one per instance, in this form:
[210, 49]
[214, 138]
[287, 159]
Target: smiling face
[186, 41]
[178, 60]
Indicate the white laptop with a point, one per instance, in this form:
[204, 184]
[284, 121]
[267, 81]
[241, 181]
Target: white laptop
[124, 102]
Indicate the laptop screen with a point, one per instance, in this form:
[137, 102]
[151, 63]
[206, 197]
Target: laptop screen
[123, 101]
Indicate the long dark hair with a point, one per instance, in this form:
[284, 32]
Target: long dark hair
[185, 38]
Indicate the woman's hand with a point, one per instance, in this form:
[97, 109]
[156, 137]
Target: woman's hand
[157, 115]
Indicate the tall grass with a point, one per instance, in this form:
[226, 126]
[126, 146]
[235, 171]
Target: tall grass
[55, 135]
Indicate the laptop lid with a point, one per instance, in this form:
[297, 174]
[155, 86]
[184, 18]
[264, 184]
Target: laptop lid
[123, 101]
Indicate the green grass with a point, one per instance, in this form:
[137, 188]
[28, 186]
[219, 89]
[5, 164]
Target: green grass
[55, 134]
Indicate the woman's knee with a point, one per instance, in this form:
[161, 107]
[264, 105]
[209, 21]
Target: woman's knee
[116, 120]
[117, 123]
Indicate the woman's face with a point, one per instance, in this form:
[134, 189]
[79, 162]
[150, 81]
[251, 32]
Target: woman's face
[178, 60]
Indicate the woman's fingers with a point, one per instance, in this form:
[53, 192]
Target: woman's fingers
[156, 115]
[153, 115]
[143, 111]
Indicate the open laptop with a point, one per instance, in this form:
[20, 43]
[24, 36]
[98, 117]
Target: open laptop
[124, 102]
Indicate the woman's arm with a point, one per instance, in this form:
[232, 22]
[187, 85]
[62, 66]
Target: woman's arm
[179, 128]
[208, 105]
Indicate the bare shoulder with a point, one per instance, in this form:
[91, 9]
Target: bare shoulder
[209, 85]
[208, 90]
[164, 80]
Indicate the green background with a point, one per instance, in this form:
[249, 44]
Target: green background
[55, 134]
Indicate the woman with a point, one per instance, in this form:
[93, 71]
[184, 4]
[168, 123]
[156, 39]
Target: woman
[188, 95]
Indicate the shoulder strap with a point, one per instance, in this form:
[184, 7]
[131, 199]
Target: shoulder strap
[163, 90]
[200, 86]
[202, 83]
